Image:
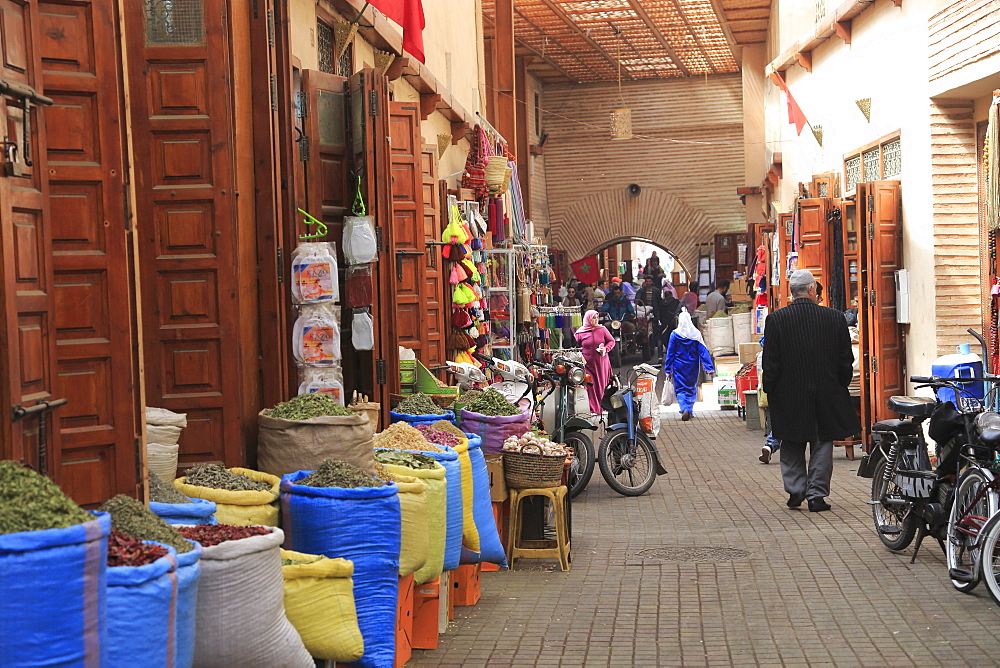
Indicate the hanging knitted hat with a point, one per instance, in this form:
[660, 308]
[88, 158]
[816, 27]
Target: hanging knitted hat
[460, 318]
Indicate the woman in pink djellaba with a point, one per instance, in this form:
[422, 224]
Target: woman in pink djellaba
[597, 342]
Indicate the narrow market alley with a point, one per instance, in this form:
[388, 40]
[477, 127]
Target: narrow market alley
[711, 568]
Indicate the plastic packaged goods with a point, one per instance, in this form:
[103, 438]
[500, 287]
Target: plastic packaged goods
[316, 335]
[360, 245]
[362, 330]
[358, 291]
[322, 380]
[314, 273]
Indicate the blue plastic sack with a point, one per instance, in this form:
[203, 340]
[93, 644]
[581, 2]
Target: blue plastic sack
[491, 549]
[54, 599]
[362, 525]
[422, 419]
[453, 516]
[199, 511]
[188, 574]
[141, 613]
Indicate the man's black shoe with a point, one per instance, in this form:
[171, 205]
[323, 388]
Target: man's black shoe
[818, 505]
[795, 500]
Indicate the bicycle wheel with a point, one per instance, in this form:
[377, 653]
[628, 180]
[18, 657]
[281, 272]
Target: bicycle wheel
[972, 506]
[990, 562]
[582, 467]
[894, 523]
[628, 473]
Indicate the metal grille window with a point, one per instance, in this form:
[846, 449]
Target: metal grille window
[852, 166]
[331, 108]
[345, 64]
[324, 47]
[175, 22]
[871, 166]
[892, 159]
[822, 189]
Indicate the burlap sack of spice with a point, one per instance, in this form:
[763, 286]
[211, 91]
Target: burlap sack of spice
[286, 446]
[241, 508]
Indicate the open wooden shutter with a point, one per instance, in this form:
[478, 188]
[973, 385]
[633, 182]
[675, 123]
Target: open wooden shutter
[435, 276]
[815, 242]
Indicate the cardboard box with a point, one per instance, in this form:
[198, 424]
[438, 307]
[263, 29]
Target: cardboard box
[465, 584]
[404, 621]
[748, 352]
[498, 486]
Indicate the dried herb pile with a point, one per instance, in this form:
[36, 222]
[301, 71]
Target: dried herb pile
[468, 397]
[135, 520]
[217, 477]
[413, 460]
[449, 428]
[434, 435]
[31, 502]
[382, 474]
[418, 404]
[164, 492]
[127, 551]
[213, 534]
[492, 403]
[338, 473]
[307, 406]
[401, 436]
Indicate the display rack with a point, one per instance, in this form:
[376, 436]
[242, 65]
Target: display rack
[499, 284]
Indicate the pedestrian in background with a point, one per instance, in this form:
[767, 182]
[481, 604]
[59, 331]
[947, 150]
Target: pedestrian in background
[596, 342]
[686, 356]
[807, 366]
[571, 301]
[716, 300]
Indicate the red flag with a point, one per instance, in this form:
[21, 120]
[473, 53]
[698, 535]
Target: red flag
[410, 15]
[587, 270]
[795, 114]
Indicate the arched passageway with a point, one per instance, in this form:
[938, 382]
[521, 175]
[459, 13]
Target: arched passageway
[678, 263]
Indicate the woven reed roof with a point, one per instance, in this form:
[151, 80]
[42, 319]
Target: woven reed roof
[580, 40]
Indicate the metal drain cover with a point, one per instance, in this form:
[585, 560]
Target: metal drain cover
[690, 554]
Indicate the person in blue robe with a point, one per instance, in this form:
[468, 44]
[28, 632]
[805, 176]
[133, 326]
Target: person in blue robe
[686, 353]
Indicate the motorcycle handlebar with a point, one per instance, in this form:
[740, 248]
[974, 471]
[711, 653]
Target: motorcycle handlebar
[962, 379]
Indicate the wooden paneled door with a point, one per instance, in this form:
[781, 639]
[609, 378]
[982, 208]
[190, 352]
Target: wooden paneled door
[181, 113]
[779, 289]
[435, 281]
[27, 337]
[815, 239]
[95, 343]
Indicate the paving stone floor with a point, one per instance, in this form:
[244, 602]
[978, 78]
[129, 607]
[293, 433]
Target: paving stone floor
[813, 589]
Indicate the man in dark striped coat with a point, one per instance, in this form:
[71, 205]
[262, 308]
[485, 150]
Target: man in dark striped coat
[807, 366]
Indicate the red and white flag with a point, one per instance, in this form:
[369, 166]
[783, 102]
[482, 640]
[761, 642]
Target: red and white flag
[410, 15]
[587, 270]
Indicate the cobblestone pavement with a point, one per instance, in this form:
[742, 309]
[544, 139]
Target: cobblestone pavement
[812, 588]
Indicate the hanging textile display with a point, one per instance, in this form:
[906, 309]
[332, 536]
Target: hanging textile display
[517, 205]
[835, 293]
[992, 157]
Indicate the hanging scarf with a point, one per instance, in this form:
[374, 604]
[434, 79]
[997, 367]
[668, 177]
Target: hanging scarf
[686, 329]
[591, 321]
[475, 164]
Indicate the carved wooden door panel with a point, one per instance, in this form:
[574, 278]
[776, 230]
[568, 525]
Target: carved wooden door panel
[814, 239]
[185, 217]
[779, 294]
[27, 336]
[90, 250]
[435, 300]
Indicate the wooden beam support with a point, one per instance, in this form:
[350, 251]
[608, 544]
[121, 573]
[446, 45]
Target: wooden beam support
[505, 119]
[396, 67]
[458, 131]
[805, 59]
[428, 103]
[843, 30]
[694, 33]
[571, 24]
[638, 9]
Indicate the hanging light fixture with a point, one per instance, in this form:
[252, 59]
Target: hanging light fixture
[621, 118]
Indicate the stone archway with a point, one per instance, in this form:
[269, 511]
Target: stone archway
[678, 263]
[655, 215]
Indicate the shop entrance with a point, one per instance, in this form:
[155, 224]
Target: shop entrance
[611, 253]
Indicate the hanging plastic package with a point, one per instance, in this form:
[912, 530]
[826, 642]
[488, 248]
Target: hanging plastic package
[316, 335]
[322, 380]
[314, 274]
[490, 547]
[199, 511]
[362, 330]
[54, 592]
[145, 639]
[362, 525]
[360, 243]
[358, 286]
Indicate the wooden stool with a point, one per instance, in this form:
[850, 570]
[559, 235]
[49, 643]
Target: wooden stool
[539, 549]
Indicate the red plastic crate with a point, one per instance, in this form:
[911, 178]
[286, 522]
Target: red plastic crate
[465, 584]
[426, 609]
[404, 621]
[746, 379]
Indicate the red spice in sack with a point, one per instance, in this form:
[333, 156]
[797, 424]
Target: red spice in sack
[126, 551]
[213, 534]
[436, 435]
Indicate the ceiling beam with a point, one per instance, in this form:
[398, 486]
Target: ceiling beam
[538, 53]
[558, 11]
[734, 46]
[690, 28]
[637, 8]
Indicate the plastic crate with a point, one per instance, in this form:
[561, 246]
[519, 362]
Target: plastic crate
[727, 396]
[465, 584]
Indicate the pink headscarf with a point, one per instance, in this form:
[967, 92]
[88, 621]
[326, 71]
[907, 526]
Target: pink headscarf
[591, 321]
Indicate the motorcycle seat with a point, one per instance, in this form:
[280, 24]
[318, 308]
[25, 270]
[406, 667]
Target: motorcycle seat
[899, 427]
[912, 406]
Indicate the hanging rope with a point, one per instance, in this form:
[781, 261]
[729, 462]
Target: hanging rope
[993, 165]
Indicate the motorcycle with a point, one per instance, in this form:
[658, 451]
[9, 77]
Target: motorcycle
[627, 455]
[515, 383]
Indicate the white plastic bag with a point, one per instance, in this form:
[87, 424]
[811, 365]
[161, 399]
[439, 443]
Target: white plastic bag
[362, 331]
[668, 396]
[360, 246]
[165, 417]
[316, 335]
[323, 380]
[161, 433]
[314, 273]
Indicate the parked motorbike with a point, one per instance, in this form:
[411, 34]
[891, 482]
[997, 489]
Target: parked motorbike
[515, 381]
[627, 456]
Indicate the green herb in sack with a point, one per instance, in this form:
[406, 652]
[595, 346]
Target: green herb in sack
[307, 406]
[164, 492]
[293, 562]
[449, 428]
[217, 477]
[137, 521]
[418, 404]
[412, 460]
[338, 473]
[492, 403]
[31, 502]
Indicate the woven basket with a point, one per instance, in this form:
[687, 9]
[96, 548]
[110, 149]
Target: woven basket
[522, 470]
[496, 172]
[372, 410]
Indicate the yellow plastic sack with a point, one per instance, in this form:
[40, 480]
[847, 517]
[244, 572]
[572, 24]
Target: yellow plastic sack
[319, 602]
[470, 535]
[240, 508]
[437, 510]
[413, 543]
